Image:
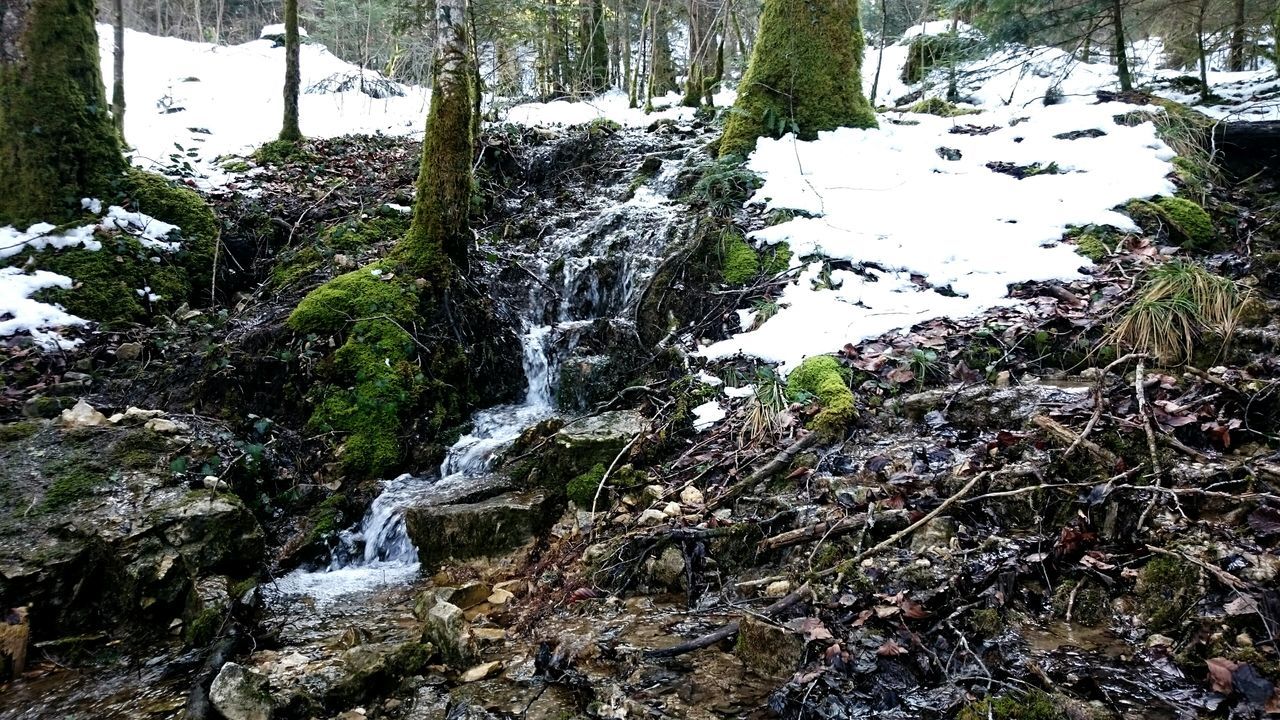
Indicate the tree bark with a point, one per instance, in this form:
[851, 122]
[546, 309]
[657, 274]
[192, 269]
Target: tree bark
[703, 18]
[289, 130]
[593, 48]
[1121, 47]
[1236, 54]
[117, 70]
[440, 232]
[57, 141]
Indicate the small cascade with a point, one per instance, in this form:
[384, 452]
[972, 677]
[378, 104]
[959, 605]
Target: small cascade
[589, 271]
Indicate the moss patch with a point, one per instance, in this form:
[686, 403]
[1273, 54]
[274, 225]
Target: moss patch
[139, 449]
[1034, 705]
[582, 489]
[72, 481]
[14, 432]
[1167, 589]
[804, 77]
[360, 295]
[739, 260]
[1086, 602]
[776, 258]
[823, 377]
[941, 108]
[1188, 224]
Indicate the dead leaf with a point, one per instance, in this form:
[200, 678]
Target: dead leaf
[1220, 670]
[890, 648]
[912, 609]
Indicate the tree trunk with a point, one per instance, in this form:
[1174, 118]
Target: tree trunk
[703, 16]
[805, 75]
[117, 70]
[1122, 52]
[57, 140]
[884, 29]
[1202, 55]
[662, 75]
[555, 51]
[440, 232]
[593, 48]
[1236, 59]
[289, 131]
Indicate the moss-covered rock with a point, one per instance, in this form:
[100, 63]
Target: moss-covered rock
[926, 52]
[941, 108]
[804, 76]
[1167, 589]
[1083, 602]
[739, 262]
[822, 376]
[1187, 223]
[582, 489]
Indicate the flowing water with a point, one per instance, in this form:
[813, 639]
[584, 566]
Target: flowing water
[593, 269]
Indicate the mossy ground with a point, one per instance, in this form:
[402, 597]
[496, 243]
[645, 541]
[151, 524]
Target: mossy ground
[739, 262]
[823, 377]
[1167, 589]
[582, 489]
[804, 76]
[1185, 222]
[941, 108]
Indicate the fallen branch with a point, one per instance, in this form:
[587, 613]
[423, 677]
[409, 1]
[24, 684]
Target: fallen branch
[1070, 438]
[906, 532]
[728, 630]
[1223, 576]
[780, 462]
[832, 529]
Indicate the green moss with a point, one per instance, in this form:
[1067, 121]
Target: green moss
[582, 489]
[602, 126]
[804, 76]
[361, 294]
[16, 431]
[282, 152]
[1188, 224]
[296, 265]
[941, 108]
[739, 260]
[823, 377]
[1092, 247]
[926, 52]
[1167, 589]
[198, 227]
[1087, 602]
[1034, 705]
[71, 482]
[327, 518]
[139, 449]
[776, 259]
[57, 140]
[203, 628]
[355, 235]
[986, 622]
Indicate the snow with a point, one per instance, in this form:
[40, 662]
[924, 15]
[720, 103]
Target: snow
[277, 30]
[607, 106]
[707, 414]
[19, 313]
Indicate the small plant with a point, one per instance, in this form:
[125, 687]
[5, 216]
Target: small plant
[1178, 302]
[923, 363]
[764, 410]
[725, 185]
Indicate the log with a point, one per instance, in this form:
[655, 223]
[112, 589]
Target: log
[1247, 148]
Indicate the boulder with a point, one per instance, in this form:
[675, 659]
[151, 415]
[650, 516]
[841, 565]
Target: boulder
[769, 650]
[477, 529]
[83, 415]
[446, 629]
[241, 694]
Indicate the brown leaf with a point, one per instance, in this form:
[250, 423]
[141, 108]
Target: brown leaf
[912, 609]
[886, 611]
[813, 629]
[890, 648]
[1220, 670]
[862, 618]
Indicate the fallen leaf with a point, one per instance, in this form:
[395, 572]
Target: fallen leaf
[1220, 670]
[890, 648]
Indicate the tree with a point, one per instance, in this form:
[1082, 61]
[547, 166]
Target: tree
[57, 140]
[805, 75]
[117, 69]
[289, 131]
[440, 231]
[593, 48]
[706, 52]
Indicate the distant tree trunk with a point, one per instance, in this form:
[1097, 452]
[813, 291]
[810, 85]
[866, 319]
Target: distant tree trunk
[1202, 54]
[624, 48]
[555, 51]
[805, 75]
[593, 48]
[884, 29]
[289, 131]
[57, 140]
[1122, 51]
[703, 17]
[440, 232]
[1236, 59]
[117, 70]
[662, 75]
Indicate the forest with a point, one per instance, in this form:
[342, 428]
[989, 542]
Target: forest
[602, 359]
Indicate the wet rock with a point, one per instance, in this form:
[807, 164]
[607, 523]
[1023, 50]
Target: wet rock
[480, 672]
[986, 406]
[45, 406]
[476, 529]
[446, 629]
[241, 694]
[499, 597]
[769, 650]
[667, 570]
[83, 415]
[129, 351]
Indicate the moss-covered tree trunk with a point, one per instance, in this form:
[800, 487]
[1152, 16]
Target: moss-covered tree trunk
[1238, 31]
[1121, 46]
[662, 71]
[593, 48]
[805, 75]
[289, 130]
[706, 53]
[440, 231]
[57, 140]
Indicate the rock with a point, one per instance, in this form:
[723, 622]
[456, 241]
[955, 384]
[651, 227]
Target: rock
[778, 589]
[480, 672]
[135, 415]
[241, 694]
[293, 660]
[476, 529]
[215, 483]
[129, 351]
[488, 635]
[667, 570]
[213, 532]
[468, 595]
[165, 426]
[938, 532]
[769, 650]
[692, 496]
[986, 406]
[83, 415]
[654, 493]
[651, 517]
[1157, 639]
[500, 597]
[446, 629]
[671, 510]
[45, 406]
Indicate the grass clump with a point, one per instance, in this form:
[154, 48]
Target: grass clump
[823, 377]
[724, 185]
[941, 108]
[739, 262]
[1178, 303]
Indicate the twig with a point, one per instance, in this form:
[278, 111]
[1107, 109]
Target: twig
[922, 521]
[1223, 576]
[1067, 435]
[728, 630]
[777, 464]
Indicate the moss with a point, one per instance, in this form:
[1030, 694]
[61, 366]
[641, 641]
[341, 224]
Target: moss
[823, 377]
[355, 235]
[602, 126]
[203, 628]
[282, 152]
[582, 489]
[198, 227]
[334, 306]
[1092, 247]
[1034, 705]
[57, 140]
[72, 481]
[139, 449]
[239, 589]
[1167, 589]
[17, 431]
[986, 622]
[1188, 223]
[297, 265]
[804, 77]
[327, 518]
[739, 262]
[941, 108]
[777, 259]
[1086, 601]
[926, 52]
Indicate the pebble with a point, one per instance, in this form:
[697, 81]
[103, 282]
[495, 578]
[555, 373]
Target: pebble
[83, 415]
[164, 426]
[654, 492]
[500, 597]
[691, 496]
[672, 509]
[1157, 639]
[778, 589]
[651, 517]
[129, 351]
[480, 672]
